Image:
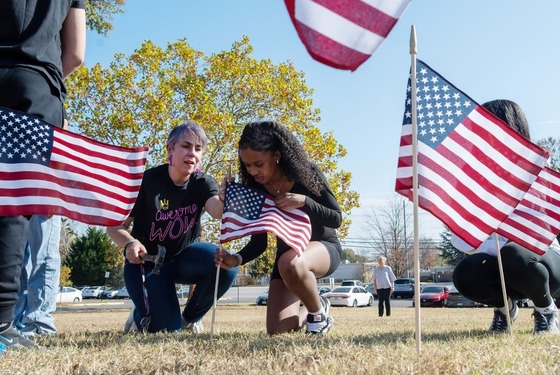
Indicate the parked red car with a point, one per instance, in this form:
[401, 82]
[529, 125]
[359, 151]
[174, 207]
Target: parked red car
[433, 296]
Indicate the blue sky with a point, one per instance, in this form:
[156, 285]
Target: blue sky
[489, 49]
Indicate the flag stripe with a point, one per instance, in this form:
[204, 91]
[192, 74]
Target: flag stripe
[344, 33]
[535, 223]
[348, 22]
[65, 182]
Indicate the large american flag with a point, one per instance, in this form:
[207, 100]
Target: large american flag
[473, 169]
[49, 170]
[535, 223]
[344, 33]
[248, 211]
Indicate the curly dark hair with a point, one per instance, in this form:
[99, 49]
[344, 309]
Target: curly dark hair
[270, 136]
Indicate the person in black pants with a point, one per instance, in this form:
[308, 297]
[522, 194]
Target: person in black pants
[526, 274]
[383, 285]
[41, 43]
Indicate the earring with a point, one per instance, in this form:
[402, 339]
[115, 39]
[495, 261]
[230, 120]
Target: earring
[170, 160]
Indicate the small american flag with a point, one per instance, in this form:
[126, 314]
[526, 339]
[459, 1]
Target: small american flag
[473, 169]
[248, 211]
[49, 170]
[344, 33]
[535, 223]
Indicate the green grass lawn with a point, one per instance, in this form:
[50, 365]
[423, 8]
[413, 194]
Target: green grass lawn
[453, 341]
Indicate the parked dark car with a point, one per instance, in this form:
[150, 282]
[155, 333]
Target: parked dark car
[262, 299]
[456, 299]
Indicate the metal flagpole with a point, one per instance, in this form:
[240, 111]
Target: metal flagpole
[503, 283]
[413, 52]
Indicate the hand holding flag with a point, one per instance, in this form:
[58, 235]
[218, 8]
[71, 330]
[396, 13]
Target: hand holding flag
[248, 211]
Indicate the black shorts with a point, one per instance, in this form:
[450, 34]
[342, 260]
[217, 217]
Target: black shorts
[335, 253]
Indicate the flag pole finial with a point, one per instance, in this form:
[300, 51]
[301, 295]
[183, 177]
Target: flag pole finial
[413, 49]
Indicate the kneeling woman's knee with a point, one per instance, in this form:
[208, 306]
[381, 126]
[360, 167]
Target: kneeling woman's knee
[290, 269]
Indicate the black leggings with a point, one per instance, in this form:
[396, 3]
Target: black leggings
[526, 274]
[384, 296]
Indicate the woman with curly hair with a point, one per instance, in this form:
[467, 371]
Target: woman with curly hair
[272, 160]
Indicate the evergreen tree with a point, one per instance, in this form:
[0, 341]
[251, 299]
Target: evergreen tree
[448, 252]
[90, 256]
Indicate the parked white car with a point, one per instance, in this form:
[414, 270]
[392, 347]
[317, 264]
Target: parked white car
[68, 294]
[350, 296]
[93, 292]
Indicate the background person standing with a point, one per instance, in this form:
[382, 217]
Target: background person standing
[383, 284]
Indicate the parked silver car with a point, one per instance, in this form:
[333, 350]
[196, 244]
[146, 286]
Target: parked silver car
[404, 288]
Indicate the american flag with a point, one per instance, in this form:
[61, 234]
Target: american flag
[535, 223]
[248, 211]
[49, 170]
[473, 169]
[344, 33]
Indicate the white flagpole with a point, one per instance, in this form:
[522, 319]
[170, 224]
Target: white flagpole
[215, 301]
[503, 282]
[413, 52]
[228, 176]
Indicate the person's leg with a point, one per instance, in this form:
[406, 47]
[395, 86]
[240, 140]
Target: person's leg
[300, 273]
[195, 265]
[527, 274]
[21, 306]
[381, 298]
[13, 237]
[283, 310]
[43, 280]
[163, 303]
[388, 302]
[534, 277]
[476, 277]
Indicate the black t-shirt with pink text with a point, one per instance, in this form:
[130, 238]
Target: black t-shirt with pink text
[167, 214]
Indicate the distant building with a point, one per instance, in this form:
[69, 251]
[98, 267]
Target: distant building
[346, 271]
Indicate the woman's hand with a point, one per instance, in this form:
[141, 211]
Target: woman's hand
[223, 185]
[290, 200]
[134, 252]
[225, 260]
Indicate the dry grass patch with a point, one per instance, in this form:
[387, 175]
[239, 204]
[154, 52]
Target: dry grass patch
[454, 341]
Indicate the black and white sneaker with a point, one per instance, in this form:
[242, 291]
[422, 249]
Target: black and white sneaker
[499, 322]
[545, 323]
[318, 324]
[11, 338]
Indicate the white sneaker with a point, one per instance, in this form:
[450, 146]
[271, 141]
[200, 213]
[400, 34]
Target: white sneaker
[196, 328]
